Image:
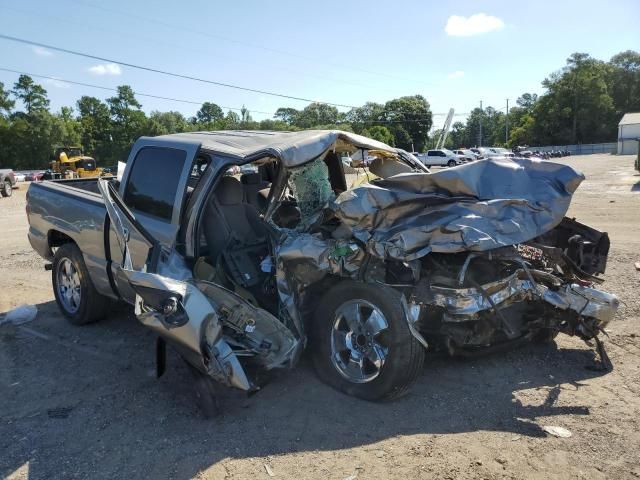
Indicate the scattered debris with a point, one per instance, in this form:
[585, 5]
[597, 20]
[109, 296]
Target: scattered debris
[267, 469]
[637, 265]
[557, 431]
[21, 314]
[351, 477]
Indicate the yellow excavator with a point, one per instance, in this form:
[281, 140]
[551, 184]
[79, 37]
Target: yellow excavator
[70, 162]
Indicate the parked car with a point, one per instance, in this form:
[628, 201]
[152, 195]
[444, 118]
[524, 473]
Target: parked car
[500, 152]
[7, 182]
[20, 177]
[248, 169]
[371, 277]
[442, 157]
[467, 155]
[482, 152]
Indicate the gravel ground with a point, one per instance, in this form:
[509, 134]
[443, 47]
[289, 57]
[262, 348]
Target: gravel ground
[83, 402]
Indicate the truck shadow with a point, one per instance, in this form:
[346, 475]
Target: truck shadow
[83, 401]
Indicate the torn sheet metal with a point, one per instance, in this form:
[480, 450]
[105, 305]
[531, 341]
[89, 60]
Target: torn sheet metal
[307, 258]
[478, 206]
[463, 304]
[303, 259]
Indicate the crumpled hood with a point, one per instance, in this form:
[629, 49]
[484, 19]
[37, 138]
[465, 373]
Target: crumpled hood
[478, 206]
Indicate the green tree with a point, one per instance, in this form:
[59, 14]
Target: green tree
[168, 122]
[287, 115]
[65, 129]
[96, 132]
[402, 138]
[128, 122]
[245, 115]
[410, 115]
[523, 133]
[577, 107]
[32, 95]
[382, 134]
[209, 113]
[231, 120]
[624, 82]
[456, 137]
[6, 104]
[316, 114]
[365, 117]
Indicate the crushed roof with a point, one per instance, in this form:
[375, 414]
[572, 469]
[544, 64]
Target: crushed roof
[292, 148]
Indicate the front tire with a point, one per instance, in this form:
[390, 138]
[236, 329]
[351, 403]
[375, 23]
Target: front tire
[75, 294]
[7, 189]
[451, 163]
[361, 342]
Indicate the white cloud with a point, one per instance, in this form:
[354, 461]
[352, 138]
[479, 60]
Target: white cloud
[456, 74]
[42, 52]
[459, 26]
[106, 69]
[57, 83]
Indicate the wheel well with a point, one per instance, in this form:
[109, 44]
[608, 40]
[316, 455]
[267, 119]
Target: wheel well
[314, 293]
[57, 239]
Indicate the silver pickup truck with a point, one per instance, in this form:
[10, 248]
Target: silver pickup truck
[241, 269]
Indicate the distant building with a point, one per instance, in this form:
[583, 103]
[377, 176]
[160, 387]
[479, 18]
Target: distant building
[629, 134]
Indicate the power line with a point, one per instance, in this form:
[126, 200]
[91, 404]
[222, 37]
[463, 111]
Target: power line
[239, 42]
[193, 102]
[178, 75]
[101, 87]
[182, 48]
[164, 72]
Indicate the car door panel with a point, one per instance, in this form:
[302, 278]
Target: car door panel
[191, 313]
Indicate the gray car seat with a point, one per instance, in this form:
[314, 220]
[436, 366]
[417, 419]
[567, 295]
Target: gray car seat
[256, 190]
[230, 223]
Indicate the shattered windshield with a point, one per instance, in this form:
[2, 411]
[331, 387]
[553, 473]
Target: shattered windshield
[311, 188]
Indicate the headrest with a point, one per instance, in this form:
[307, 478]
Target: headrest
[229, 191]
[251, 178]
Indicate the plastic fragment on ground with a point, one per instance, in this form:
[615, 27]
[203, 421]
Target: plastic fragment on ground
[19, 315]
[560, 432]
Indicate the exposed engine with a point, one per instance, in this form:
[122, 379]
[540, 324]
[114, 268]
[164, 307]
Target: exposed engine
[472, 301]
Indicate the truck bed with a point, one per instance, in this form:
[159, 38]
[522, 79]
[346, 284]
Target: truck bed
[61, 209]
[85, 184]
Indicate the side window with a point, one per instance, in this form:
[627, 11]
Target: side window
[442, 154]
[152, 185]
[431, 154]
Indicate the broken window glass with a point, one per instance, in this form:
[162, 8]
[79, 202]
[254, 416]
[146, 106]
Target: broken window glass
[311, 188]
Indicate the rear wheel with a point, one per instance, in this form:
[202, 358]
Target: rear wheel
[7, 190]
[75, 294]
[362, 344]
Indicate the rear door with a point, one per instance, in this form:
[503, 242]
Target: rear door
[153, 188]
[191, 314]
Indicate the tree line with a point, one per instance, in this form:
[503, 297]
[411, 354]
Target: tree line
[582, 103]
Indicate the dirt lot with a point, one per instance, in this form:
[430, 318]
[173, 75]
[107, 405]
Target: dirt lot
[82, 402]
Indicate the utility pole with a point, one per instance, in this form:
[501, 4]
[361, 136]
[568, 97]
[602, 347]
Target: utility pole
[506, 125]
[480, 135]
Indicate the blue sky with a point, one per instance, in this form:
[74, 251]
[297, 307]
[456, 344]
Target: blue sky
[454, 53]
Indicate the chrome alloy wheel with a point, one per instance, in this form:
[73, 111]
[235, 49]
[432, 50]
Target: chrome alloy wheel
[68, 285]
[357, 351]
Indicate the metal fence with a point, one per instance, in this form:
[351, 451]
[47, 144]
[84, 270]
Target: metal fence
[581, 149]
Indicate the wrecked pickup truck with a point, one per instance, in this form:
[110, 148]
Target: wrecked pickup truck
[241, 273]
